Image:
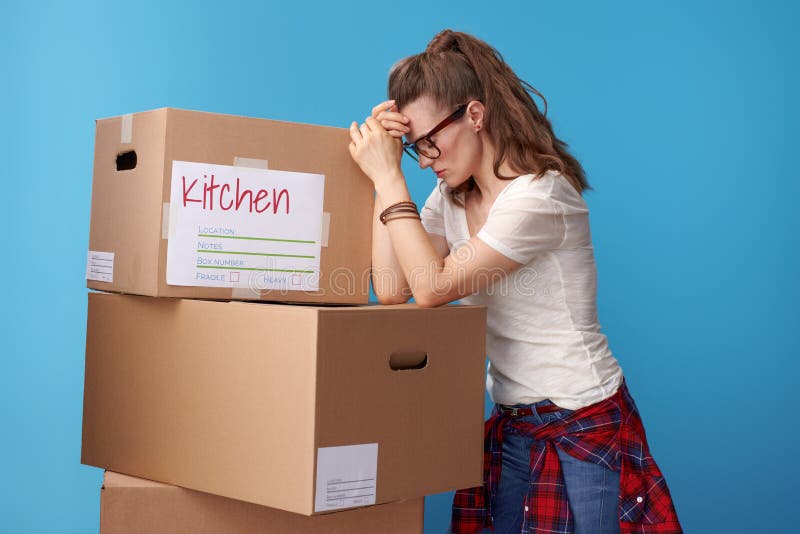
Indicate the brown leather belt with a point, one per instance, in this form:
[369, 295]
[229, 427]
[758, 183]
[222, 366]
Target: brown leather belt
[521, 412]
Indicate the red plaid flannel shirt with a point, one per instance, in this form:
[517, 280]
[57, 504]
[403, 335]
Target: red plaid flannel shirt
[608, 430]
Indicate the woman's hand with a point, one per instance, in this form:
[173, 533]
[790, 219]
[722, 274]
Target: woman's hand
[392, 121]
[376, 146]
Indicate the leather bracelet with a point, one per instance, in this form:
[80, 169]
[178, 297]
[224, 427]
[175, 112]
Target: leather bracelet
[385, 216]
[409, 216]
[400, 204]
[412, 209]
[398, 207]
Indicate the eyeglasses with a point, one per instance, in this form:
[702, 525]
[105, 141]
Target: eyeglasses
[425, 145]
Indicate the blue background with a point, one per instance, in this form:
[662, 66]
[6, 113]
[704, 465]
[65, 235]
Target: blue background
[683, 114]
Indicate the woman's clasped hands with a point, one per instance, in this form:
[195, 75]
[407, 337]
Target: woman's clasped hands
[376, 145]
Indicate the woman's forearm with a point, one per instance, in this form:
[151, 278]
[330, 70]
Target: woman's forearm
[388, 281]
[415, 257]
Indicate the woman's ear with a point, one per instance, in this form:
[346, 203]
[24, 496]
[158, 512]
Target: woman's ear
[475, 112]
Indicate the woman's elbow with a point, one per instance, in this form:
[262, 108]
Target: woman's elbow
[429, 300]
[388, 299]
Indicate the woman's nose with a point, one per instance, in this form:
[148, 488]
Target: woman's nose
[424, 162]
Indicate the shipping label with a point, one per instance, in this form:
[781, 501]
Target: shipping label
[346, 476]
[244, 227]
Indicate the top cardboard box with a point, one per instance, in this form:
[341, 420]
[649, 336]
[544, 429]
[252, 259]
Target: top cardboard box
[261, 210]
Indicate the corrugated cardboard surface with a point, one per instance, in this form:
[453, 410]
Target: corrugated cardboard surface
[131, 505]
[234, 398]
[127, 205]
[213, 396]
[427, 421]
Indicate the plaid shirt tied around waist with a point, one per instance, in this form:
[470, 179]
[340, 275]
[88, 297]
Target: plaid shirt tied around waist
[608, 433]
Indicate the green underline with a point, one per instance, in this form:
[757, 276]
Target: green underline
[254, 253]
[256, 238]
[252, 269]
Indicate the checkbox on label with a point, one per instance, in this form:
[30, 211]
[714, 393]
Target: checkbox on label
[234, 276]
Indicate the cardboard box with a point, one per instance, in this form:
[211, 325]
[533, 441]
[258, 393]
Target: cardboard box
[136, 222]
[131, 505]
[301, 408]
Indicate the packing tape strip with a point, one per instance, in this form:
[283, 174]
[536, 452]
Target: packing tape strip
[251, 162]
[172, 219]
[165, 218]
[326, 228]
[126, 130]
[245, 293]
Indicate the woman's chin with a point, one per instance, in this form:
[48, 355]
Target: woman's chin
[454, 181]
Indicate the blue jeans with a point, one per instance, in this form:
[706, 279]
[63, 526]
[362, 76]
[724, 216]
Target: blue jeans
[592, 490]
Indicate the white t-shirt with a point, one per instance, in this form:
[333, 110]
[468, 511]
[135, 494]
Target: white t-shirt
[543, 336]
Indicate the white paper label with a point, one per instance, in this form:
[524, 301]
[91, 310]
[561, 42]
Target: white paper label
[244, 227]
[126, 130]
[346, 476]
[100, 266]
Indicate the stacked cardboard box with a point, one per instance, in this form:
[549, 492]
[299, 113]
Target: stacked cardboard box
[134, 505]
[310, 403]
[203, 205]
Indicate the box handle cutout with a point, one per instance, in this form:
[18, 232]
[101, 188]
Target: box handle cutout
[126, 161]
[408, 361]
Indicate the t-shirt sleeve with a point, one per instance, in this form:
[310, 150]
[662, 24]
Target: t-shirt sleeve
[432, 213]
[522, 226]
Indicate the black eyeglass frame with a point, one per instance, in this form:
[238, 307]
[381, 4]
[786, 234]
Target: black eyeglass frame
[413, 150]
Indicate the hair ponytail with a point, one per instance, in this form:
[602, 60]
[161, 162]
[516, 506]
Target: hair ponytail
[457, 67]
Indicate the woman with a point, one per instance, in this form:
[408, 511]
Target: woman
[506, 226]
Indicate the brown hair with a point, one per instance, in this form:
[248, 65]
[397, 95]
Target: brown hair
[456, 68]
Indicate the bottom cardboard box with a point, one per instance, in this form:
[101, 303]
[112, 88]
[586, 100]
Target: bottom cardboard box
[131, 505]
